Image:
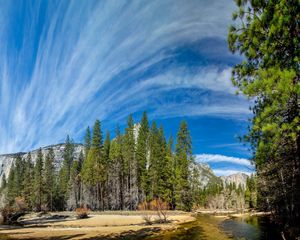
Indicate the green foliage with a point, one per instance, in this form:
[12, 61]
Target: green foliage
[115, 153]
[11, 187]
[129, 146]
[94, 165]
[28, 184]
[65, 171]
[183, 160]
[267, 34]
[3, 182]
[157, 162]
[87, 141]
[141, 155]
[39, 186]
[106, 149]
[49, 179]
[134, 167]
[251, 192]
[19, 175]
[129, 161]
[167, 171]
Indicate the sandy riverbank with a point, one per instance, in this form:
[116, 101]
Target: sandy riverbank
[98, 226]
[231, 213]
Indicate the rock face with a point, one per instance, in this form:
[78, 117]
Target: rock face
[237, 178]
[6, 160]
[204, 173]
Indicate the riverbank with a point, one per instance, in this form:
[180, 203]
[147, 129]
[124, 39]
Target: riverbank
[232, 213]
[99, 225]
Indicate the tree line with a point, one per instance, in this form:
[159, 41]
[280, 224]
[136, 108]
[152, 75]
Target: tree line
[109, 174]
[218, 195]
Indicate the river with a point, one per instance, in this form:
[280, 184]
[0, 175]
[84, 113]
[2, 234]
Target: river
[210, 227]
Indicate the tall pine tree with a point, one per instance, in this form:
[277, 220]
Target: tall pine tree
[39, 186]
[49, 179]
[130, 166]
[64, 173]
[19, 175]
[183, 161]
[87, 141]
[141, 156]
[28, 184]
[93, 171]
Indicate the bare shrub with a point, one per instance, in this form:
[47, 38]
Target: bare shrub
[10, 215]
[44, 208]
[82, 212]
[20, 203]
[196, 207]
[6, 213]
[144, 206]
[161, 209]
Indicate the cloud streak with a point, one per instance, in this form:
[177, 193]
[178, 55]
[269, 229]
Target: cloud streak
[227, 172]
[217, 158]
[226, 165]
[66, 63]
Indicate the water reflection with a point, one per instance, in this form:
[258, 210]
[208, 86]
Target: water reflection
[251, 228]
[208, 227]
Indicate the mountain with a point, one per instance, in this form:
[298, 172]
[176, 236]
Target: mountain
[237, 178]
[6, 160]
[204, 173]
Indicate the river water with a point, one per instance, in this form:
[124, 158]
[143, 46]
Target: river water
[252, 228]
[209, 227]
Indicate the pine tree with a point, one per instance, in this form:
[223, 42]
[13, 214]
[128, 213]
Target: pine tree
[64, 174]
[130, 166]
[74, 182]
[81, 160]
[107, 165]
[87, 141]
[11, 186]
[93, 171]
[169, 175]
[161, 163]
[28, 188]
[39, 185]
[251, 191]
[3, 182]
[183, 161]
[141, 156]
[19, 175]
[153, 171]
[106, 147]
[116, 179]
[267, 35]
[49, 179]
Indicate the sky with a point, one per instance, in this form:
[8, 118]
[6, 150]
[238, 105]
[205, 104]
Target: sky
[64, 64]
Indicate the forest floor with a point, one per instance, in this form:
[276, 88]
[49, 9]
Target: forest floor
[99, 225]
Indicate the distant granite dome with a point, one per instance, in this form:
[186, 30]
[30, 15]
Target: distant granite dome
[6, 160]
[204, 172]
[237, 178]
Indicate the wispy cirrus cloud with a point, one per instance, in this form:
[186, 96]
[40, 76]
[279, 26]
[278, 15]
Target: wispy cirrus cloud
[226, 165]
[227, 172]
[65, 63]
[217, 158]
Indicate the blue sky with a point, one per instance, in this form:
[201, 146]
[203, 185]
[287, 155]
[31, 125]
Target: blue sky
[65, 63]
